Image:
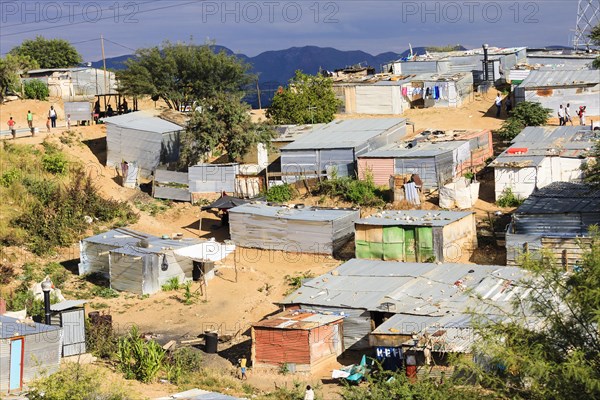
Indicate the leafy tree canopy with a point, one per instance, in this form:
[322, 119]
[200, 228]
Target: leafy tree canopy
[223, 122]
[182, 73]
[526, 113]
[307, 99]
[11, 67]
[591, 168]
[49, 53]
[595, 36]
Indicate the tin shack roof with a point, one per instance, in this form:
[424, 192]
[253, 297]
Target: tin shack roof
[119, 237]
[289, 133]
[411, 288]
[560, 77]
[288, 212]
[65, 305]
[343, 134]
[421, 150]
[143, 121]
[199, 394]
[10, 327]
[534, 143]
[414, 218]
[562, 197]
[298, 319]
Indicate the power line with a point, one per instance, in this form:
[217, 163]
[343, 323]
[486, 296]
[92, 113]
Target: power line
[99, 19]
[118, 44]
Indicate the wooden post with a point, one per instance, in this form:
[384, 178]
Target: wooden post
[235, 264]
[565, 259]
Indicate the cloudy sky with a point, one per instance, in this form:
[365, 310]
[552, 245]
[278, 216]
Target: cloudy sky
[251, 27]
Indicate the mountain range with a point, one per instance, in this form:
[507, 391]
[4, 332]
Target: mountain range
[275, 68]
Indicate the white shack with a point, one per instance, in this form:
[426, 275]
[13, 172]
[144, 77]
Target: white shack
[293, 229]
[141, 137]
[540, 155]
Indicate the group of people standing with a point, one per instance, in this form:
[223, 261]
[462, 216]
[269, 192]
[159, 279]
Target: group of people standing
[564, 115]
[50, 122]
[507, 104]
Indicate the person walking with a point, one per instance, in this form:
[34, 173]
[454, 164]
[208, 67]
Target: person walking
[561, 115]
[11, 127]
[52, 116]
[498, 105]
[309, 394]
[581, 114]
[568, 114]
[30, 120]
[243, 363]
[508, 105]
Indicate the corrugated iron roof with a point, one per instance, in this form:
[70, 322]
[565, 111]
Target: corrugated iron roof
[143, 121]
[345, 133]
[65, 305]
[284, 212]
[10, 327]
[545, 141]
[120, 237]
[298, 319]
[422, 149]
[554, 78]
[158, 246]
[414, 218]
[199, 394]
[289, 133]
[562, 197]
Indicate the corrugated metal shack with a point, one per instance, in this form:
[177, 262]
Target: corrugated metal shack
[299, 230]
[93, 251]
[70, 316]
[416, 236]
[557, 219]
[72, 84]
[370, 292]
[141, 137]
[335, 146]
[27, 350]
[539, 156]
[143, 270]
[561, 58]
[471, 61]
[436, 156]
[301, 340]
[551, 88]
[213, 178]
[393, 94]
[435, 163]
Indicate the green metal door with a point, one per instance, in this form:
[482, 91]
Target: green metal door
[425, 244]
[409, 245]
[393, 243]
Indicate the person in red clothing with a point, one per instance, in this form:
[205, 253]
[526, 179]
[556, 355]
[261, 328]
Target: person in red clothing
[11, 127]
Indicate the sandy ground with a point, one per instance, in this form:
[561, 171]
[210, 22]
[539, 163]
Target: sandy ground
[250, 281]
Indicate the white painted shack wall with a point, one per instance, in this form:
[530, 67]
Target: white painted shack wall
[522, 181]
[557, 169]
[552, 98]
[42, 352]
[460, 239]
[378, 99]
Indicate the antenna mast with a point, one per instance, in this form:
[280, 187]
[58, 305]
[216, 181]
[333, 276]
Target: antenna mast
[588, 16]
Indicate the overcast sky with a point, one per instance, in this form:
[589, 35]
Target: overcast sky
[251, 27]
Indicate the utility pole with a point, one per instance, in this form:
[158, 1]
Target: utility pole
[104, 63]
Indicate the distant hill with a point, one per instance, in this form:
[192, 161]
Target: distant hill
[275, 68]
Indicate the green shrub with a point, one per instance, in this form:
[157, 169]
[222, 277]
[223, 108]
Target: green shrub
[55, 163]
[75, 381]
[139, 359]
[295, 282]
[104, 292]
[172, 284]
[42, 190]
[509, 199]
[280, 193]
[10, 176]
[57, 273]
[510, 129]
[101, 340]
[359, 192]
[36, 89]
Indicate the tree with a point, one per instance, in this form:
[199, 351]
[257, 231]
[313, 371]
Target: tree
[10, 69]
[526, 113]
[223, 122]
[36, 89]
[307, 99]
[183, 73]
[595, 36]
[591, 168]
[556, 356]
[49, 53]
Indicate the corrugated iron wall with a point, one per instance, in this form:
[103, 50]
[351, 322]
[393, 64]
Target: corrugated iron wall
[356, 325]
[212, 178]
[425, 167]
[379, 168]
[278, 346]
[325, 341]
[73, 324]
[133, 145]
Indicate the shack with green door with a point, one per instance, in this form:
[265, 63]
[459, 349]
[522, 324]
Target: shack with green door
[417, 236]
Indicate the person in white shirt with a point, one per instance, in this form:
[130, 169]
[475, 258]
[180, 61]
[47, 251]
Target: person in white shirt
[561, 115]
[568, 114]
[309, 394]
[498, 105]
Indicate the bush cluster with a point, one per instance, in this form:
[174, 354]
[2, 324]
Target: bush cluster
[359, 192]
[280, 193]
